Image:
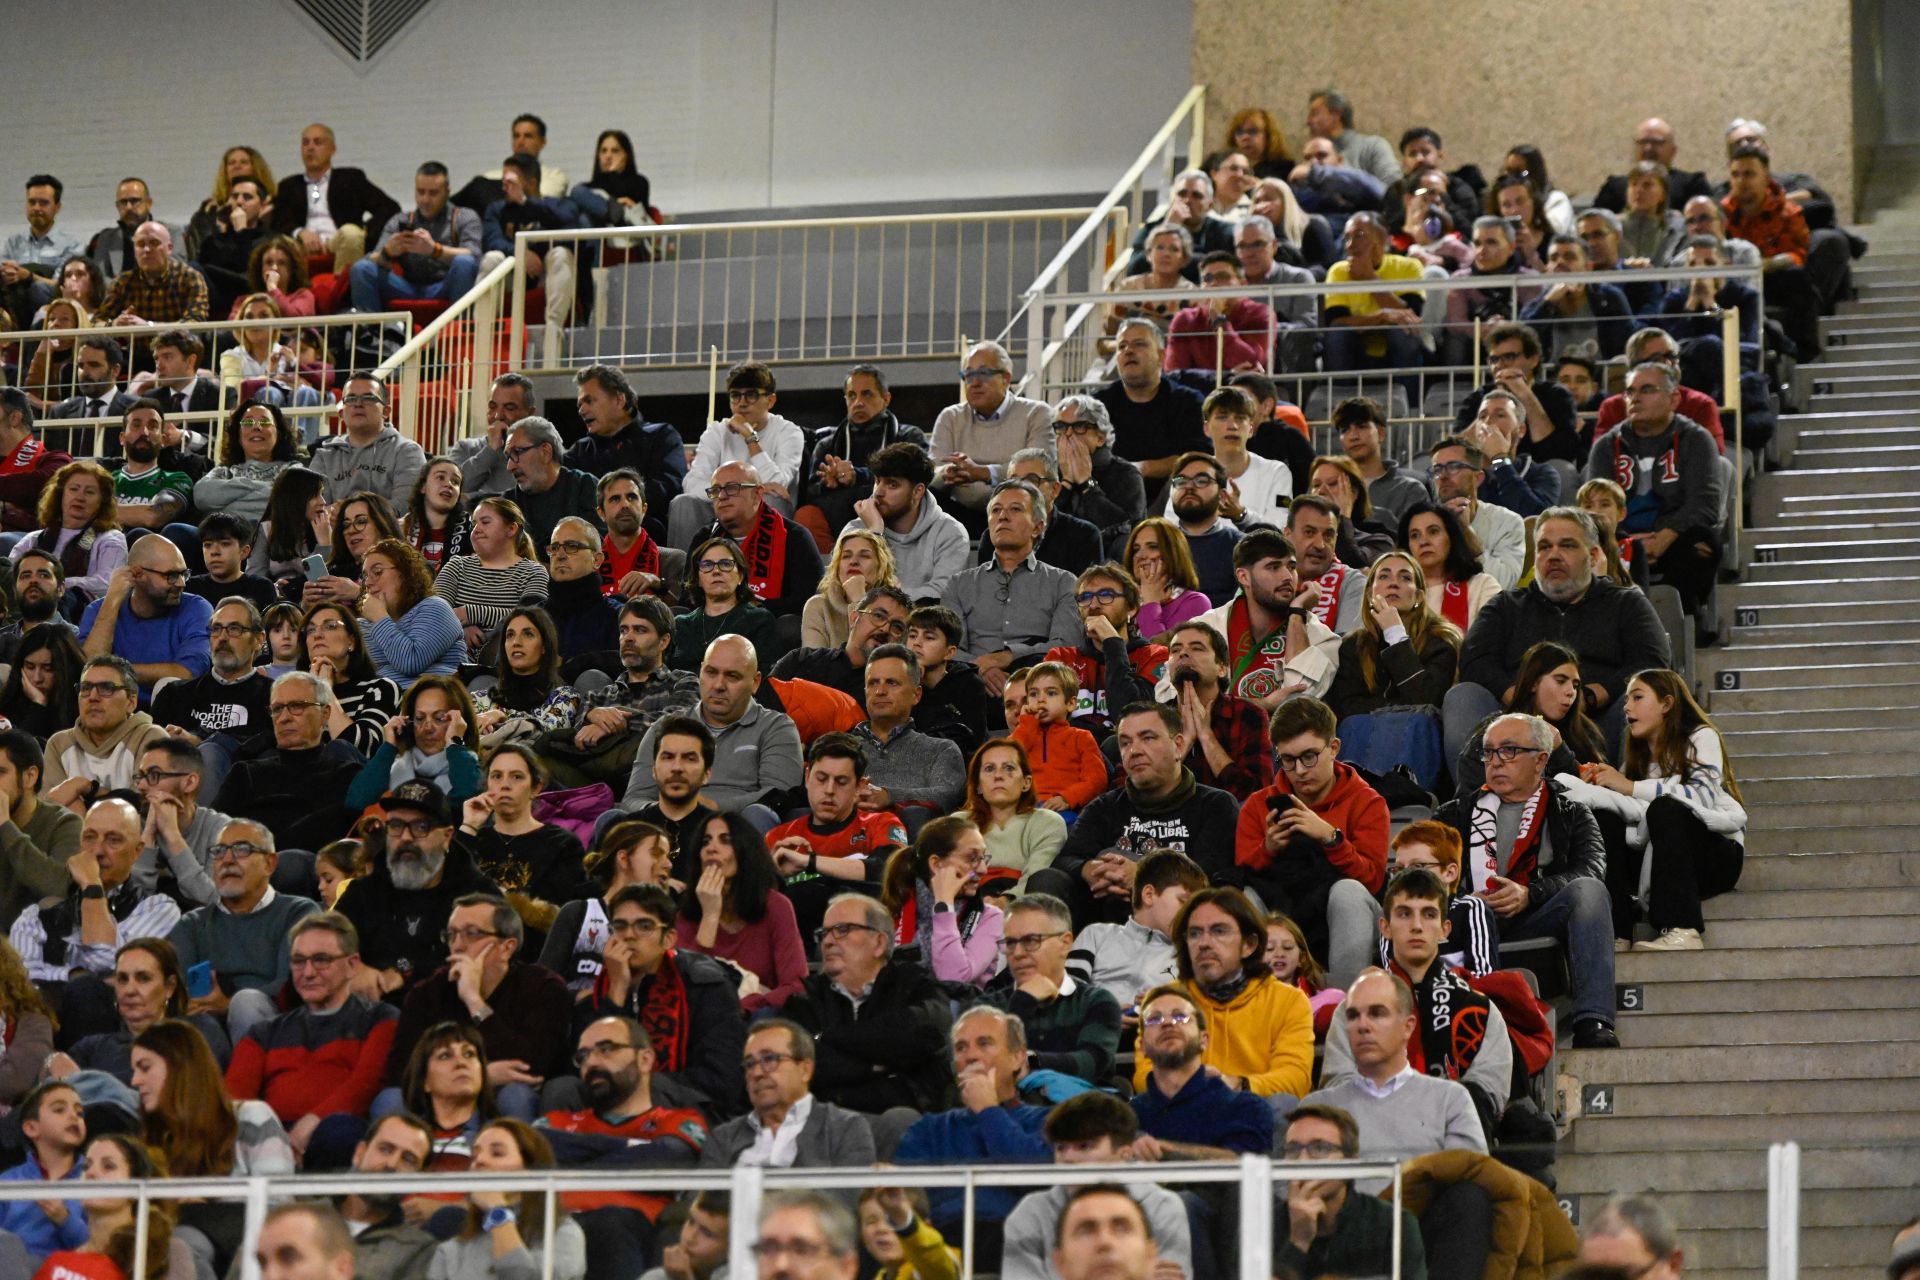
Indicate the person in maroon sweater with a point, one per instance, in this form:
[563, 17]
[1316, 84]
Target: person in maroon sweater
[522, 1011]
[318, 1066]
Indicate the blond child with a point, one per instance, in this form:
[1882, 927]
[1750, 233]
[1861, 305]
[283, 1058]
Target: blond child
[1068, 769]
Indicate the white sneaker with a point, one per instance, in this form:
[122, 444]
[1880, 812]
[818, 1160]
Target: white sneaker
[1674, 940]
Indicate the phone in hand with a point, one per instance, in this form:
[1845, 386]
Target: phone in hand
[1278, 803]
[200, 980]
[314, 567]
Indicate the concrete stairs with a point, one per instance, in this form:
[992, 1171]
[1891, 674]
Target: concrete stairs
[1802, 1018]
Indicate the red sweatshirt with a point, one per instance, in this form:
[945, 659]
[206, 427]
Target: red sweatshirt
[1066, 761]
[1352, 806]
[302, 1063]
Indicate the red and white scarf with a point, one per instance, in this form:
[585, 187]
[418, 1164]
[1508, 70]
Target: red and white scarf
[1332, 583]
[23, 457]
[765, 547]
[1453, 604]
[1483, 840]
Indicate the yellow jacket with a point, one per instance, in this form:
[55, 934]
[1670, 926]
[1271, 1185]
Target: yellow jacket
[1264, 1034]
[929, 1257]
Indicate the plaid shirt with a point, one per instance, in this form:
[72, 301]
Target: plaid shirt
[179, 294]
[1242, 730]
[666, 691]
[1777, 226]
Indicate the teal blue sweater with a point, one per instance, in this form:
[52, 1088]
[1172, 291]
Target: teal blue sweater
[248, 952]
[463, 777]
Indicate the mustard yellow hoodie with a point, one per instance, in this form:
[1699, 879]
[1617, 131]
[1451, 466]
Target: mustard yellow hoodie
[1265, 1033]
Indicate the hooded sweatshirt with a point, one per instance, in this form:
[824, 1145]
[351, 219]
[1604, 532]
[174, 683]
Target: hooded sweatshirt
[1352, 806]
[929, 554]
[387, 465]
[1262, 1032]
[110, 761]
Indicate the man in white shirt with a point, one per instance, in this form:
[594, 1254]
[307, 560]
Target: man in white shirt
[767, 444]
[788, 1126]
[1257, 488]
[1457, 471]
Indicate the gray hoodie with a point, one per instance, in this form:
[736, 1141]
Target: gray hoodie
[926, 556]
[388, 465]
[1394, 492]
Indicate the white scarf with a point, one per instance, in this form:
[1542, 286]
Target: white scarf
[1483, 837]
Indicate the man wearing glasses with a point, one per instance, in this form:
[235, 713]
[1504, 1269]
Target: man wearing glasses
[369, 454]
[148, 618]
[295, 782]
[974, 440]
[880, 618]
[242, 935]
[1115, 666]
[99, 753]
[1186, 1111]
[179, 832]
[546, 491]
[401, 906]
[521, 1010]
[1070, 542]
[1323, 1227]
[585, 617]
[1658, 346]
[788, 1126]
[783, 561]
[231, 697]
[317, 1064]
[1513, 365]
[1072, 1027]
[1458, 469]
[767, 445]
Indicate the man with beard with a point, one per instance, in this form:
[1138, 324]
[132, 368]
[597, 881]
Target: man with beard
[1334, 591]
[98, 754]
[317, 1065]
[35, 839]
[294, 781]
[929, 546]
[399, 907]
[232, 696]
[1154, 420]
[1260, 1038]
[582, 614]
[1160, 806]
[1226, 736]
[1458, 469]
[243, 935]
[1613, 629]
[620, 439]
[26, 463]
[38, 580]
[146, 495]
[880, 618]
[599, 746]
[521, 1010]
[179, 832]
[1201, 499]
[1276, 648]
[385, 1245]
[835, 473]
[147, 618]
[632, 564]
[1116, 668]
[788, 1127]
[97, 368]
[1185, 1110]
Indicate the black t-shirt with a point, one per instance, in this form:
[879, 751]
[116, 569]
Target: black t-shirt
[249, 585]
[1166, 425]
[207, 705]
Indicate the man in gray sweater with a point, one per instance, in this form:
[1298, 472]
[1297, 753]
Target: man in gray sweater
[913, 772]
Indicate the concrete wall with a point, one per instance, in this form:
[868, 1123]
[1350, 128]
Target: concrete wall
[1573, 80]
[736, 104]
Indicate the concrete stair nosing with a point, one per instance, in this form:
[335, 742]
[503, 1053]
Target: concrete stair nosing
[1723, 964]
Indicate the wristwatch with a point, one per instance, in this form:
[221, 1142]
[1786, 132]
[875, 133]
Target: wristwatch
[1298, 612]
[750, 436]
[92, 893]
[498, 1218]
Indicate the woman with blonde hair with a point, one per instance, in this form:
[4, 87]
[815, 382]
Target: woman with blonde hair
[1403, 654]
[1361, 539]
[235, 163]
[260, 356]
[79, 527]
[1159, 559]
[1681, 831]
[49, 377]
[861, 561]
[1168, 252]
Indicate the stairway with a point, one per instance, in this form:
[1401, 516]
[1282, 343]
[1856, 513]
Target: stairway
[1802, 1019]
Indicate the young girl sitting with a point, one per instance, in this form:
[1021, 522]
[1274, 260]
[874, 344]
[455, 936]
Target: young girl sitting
[282, 623]
[1473, 936]
[1291, 961]
[1068, 769]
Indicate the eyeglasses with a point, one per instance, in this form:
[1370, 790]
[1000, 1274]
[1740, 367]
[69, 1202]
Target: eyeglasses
[1506, 357]
[982, 375]
[173, 577]
[239, 851]
[129, 202]
[328, 627]
[1300, 763]
[732, 489]
[1192, 482]
[1439, 469]
[1508, 752]
[232, 629]
[364, 397]
[154, 777]
[1105, 595]
[764, 1061]
[1218, 932]
[569, 548]
[516, 452]
[278, 709]
[798, 1250]
[319, 963]
[1028, 941]
[744, 395]
[1318, 1150]
[1075, 428]
[636, 928]
[420, 828]
[465, 937]
[100, 688]
[599, 1049]
[1178, 1018]
[717, 566]
[357, 524]
[892, 626]
[840, 932]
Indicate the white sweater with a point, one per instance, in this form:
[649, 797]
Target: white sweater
[1703, 790]
[781, 445]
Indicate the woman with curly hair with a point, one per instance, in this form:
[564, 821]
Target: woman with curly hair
[111, 1224]
[861, 560]
[255, 447]
[411, 632]
[211, 217]
[80, 527]
[278, 269]
[1255, 134]
[27, 1025]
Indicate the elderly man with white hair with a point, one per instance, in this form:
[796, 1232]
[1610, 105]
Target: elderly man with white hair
[295, 782]
[1189, 207]
[1105, 491]
[974, 439]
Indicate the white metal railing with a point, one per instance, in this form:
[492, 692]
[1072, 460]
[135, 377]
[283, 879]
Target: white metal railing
[441, 376]
[1256, 1177]
[1110, 224]
[218, 337]
[1783, 1211]
[791, 290]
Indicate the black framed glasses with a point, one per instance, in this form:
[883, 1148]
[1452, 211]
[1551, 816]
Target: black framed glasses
[1028, 941]
[764, 1062]
[153, 777]
[419, 828]
[238, 851]
[840, 932]
[1104, 596]
[599, 1049]
[233, 630]
[732, 489]
[1508, 752]
[465, 937]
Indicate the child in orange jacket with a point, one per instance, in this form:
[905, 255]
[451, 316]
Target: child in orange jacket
[1068, 769]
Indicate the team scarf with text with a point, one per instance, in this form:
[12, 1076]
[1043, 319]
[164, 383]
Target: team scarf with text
[1483, 839]
[765, 547]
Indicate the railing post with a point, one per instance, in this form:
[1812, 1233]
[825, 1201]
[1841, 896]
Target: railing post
[517, 331]
[409, 424]
[486, 311]
[1783, 1211]
[256, 1219]
[1197, 146]
[1256, 1218]
[1730, 394]
[743, 1218]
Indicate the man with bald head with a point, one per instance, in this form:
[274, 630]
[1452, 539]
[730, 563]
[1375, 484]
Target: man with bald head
[328, 209]
[68, 945]
[783, 561]
[243, 935]
[148, 617]
[160, 289]
[1654, 141]
[756, 755]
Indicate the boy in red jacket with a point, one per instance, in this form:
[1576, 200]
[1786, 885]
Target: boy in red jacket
[1068, 769]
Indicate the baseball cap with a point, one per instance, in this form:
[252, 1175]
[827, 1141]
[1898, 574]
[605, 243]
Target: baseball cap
[419, 797]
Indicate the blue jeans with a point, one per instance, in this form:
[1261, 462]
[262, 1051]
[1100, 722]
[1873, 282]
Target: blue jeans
[373, 285]
[1581, 916]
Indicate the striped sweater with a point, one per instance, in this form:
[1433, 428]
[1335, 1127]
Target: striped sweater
[489, 595]
[305, 1063]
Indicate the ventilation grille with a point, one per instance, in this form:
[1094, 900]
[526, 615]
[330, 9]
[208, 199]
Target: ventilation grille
[362, 28]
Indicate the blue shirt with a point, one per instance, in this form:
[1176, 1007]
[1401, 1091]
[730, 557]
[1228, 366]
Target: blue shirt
[1208, 1114]
[36, 1229]
[1003, 1135]
[179, 636]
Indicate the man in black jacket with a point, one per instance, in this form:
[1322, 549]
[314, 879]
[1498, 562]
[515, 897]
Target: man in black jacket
[834, 473]
[879, 619]
[1538, 859]
[294, 780]
[618, 436]
[327, 209]
[1653, 140]
[1613, 629]
[879, 1021]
